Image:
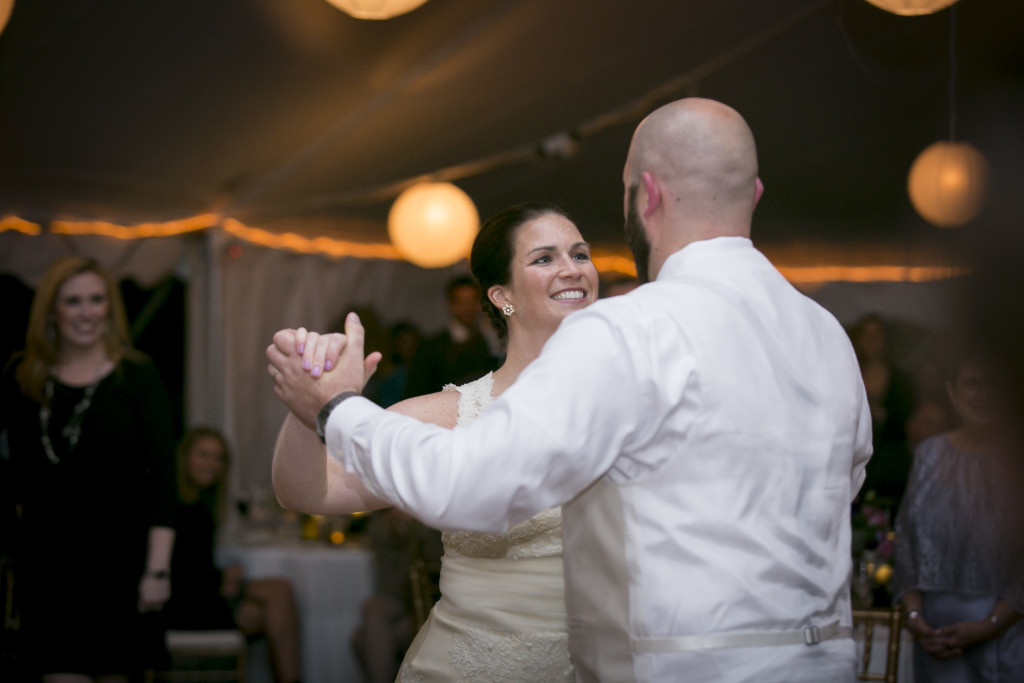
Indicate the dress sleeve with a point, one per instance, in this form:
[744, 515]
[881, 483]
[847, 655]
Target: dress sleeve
[11, 398]
[559, 428]
[19, 416]
[157, 442]
[7, 475]
[905, 572]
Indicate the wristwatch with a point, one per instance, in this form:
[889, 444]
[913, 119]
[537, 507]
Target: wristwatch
[325, 412]
[913, 614]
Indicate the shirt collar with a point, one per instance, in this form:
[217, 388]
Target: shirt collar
[701, 250]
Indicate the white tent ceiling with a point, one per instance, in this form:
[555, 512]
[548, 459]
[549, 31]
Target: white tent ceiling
[291, 115]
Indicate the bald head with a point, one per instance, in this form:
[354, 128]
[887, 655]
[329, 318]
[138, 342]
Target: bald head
[701, 155]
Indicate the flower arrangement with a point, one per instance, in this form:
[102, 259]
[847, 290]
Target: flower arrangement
[873, 544]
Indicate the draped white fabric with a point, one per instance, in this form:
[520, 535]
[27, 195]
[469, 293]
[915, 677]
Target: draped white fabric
[265, 290]
[146, 261]
[235, 305]
[928, 304]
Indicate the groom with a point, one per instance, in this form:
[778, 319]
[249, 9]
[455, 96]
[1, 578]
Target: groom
[705, 433]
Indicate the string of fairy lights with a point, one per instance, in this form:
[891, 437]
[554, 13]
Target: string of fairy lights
[607, 261]
[938, 175]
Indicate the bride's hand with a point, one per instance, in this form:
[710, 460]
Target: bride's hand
[305, 393]
[320, 352]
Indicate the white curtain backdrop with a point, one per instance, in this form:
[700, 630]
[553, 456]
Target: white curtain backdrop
[146, 261]
[928, 304]
[265, 290]
[240, 294]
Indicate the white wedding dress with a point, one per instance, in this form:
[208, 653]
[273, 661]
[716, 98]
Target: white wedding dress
[501, 616]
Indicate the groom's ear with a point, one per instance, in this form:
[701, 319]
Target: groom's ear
[653, 191]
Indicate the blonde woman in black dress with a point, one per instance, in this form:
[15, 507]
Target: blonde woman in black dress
[91, 444]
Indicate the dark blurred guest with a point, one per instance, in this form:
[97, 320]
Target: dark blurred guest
[387, 625]
[204, 597]
[891, 398]
[460, 353]
[376, 339]
[393, 372]
[620, 285]
[955, 573]
[89, 431]
[931, 416]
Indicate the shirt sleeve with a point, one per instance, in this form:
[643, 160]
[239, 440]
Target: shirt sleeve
[862, 444]
[558, 429]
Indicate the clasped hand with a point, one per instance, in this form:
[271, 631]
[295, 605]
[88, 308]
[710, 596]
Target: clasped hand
[153, 592]
[950, 641]
[309, 368]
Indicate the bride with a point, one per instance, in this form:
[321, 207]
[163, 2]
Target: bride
[501, 616]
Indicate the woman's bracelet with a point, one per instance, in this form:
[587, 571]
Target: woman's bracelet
[159, 573]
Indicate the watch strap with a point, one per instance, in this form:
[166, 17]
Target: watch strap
[325, 413]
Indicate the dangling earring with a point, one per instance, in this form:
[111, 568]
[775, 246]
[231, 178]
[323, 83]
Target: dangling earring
[508, 310]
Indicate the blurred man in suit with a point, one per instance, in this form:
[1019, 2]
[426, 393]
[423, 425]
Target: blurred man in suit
[458, 354]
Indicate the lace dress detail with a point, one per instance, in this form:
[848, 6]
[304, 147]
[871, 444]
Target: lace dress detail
[539, 536]
[953, 525]
[471, 635]
[492, 657]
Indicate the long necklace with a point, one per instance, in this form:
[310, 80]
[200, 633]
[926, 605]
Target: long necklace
[73, 429]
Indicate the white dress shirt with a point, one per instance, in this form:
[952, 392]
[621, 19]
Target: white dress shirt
[716, 424]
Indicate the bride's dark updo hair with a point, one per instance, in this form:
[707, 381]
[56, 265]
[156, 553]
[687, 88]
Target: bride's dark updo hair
[494, 247]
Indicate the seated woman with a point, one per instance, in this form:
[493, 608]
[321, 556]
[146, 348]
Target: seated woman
[204, 597]
[958, 572]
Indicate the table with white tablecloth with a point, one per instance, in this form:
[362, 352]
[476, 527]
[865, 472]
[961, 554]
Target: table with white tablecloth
[330, 585]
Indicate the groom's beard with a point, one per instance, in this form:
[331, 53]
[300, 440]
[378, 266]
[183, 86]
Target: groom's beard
[637, 240]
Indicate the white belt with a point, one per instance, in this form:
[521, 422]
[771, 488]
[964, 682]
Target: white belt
[808, 635]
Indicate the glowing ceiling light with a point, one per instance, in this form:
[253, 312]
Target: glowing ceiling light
[433, 224]
[912, 8]
[948, 183]
[376, 9]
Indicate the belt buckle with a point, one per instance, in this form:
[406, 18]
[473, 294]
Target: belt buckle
[812, 635]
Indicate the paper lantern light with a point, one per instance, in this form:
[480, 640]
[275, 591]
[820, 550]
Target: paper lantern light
[5, 12]
[376, 9]
[912, 8]
[948, 182]
[433, 224]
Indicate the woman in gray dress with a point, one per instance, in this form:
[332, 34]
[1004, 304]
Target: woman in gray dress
[957, 573]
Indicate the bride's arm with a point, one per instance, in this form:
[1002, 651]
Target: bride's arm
[307, 480]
